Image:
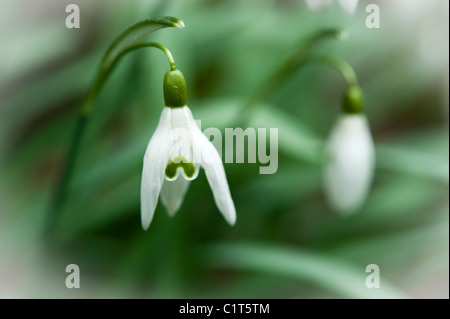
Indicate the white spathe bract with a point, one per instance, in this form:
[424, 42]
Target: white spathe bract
[348, 6]
[349, 165]
[178, 139]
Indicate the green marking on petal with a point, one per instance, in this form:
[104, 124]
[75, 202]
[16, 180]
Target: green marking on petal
[180, 161]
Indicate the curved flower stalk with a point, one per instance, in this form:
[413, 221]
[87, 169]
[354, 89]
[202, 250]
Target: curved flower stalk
[350, 157]
[174, 156]
[348, 6]
[296, 59]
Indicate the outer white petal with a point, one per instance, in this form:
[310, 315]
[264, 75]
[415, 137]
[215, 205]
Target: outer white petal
[349, 164]
[181, 127]
[155, 162]
[172, 194]
[349, 6]
[215, 173]
[318, 5]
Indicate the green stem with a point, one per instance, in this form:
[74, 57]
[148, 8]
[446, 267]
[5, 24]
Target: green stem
[337, 63]
[353, 100]
[298, 55]
[86, 110]
[105, 71]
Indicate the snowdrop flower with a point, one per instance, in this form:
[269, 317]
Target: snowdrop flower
[350, 157]
[174, 156]
[348, 6]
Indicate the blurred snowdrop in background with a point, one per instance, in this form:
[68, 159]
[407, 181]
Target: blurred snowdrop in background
[349, 163]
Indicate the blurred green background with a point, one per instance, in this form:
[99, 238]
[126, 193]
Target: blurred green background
[287, 243]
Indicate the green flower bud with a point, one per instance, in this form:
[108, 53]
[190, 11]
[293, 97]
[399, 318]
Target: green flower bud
[353, 102]
[175, 89]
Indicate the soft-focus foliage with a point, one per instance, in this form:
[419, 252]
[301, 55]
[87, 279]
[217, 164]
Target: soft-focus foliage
[286, 242]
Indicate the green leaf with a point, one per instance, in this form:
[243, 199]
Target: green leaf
[328, 272]
[413, 162]
[294, 137]
[135, 33]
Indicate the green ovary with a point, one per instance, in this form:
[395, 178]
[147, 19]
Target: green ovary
[175, 163]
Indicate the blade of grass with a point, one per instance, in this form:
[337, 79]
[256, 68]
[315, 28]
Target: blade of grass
[329, 273]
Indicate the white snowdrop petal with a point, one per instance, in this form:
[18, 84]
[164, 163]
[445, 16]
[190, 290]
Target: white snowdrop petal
[196, 136]
[172, 194]
[349, 6]
[181, 129]
[349, 164]
[155, 161]
[318, 5]
[215, 173]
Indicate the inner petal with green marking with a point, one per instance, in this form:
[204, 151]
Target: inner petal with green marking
[180, 161]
